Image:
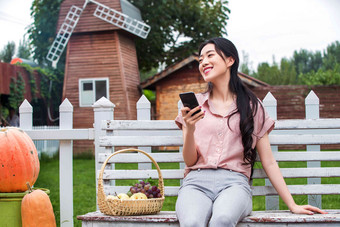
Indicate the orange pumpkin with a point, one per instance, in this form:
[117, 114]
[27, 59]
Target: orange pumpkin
[19, 162]
[37, 210]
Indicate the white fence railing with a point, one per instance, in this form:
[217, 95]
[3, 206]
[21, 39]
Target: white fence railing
[104, 110]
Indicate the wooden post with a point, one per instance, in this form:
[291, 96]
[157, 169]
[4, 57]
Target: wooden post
[103, 110]
[66, 167]
[26, 115]
[144, 113]
[313, 112]
[270, 104]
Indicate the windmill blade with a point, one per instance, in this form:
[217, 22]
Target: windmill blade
[64, 35]
[121, 20]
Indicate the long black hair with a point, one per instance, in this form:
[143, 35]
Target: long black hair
[246, 100]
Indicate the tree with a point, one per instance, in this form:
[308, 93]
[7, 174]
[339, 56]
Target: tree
[172, 21]
[24, 49]
[288, 73]
[43, 29]
[7, 53]
[269, 74]
[41, 35]
[331, 56]
[305, 61]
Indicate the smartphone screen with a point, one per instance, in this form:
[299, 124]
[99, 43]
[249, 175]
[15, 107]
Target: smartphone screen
[189, 100]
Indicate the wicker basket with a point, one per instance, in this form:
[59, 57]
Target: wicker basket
[119, 207]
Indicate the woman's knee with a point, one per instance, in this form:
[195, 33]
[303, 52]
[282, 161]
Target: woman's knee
[195, 216]
[191, 222]
[223, 220]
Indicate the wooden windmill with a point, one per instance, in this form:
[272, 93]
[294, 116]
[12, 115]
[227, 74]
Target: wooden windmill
[101, 58]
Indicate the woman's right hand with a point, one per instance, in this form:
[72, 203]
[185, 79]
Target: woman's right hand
[190, 119]
[189, 146]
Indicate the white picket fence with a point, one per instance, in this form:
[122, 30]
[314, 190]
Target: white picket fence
[48, 147]
[104, 110]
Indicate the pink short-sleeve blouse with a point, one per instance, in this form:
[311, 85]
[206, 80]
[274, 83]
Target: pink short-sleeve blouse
[220, 146]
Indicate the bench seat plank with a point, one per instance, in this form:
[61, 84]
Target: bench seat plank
[256, 217]
[163, 216]
[284, 216]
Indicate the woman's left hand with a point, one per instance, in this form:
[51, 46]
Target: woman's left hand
[306, 209]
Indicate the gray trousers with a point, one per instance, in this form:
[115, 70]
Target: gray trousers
[213, 197]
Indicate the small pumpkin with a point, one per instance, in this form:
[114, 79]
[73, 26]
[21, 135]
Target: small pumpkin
[36, 209]
[19, 161]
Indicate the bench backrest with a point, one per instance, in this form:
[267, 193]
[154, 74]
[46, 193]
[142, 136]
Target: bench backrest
[164, 134]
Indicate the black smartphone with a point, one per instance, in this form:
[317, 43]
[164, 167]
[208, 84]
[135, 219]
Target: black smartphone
[189, 100]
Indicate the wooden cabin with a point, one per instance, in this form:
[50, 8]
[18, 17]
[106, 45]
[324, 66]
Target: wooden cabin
[182, 77]
[101, 60]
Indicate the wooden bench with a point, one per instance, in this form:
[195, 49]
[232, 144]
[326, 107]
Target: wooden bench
[148, 134]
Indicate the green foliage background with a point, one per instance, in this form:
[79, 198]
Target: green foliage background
[43, 29]
[8, 51]
[171, 20]
[305, 67]
[17, 89]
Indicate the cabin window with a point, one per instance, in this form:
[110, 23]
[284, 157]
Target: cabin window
[90, 90]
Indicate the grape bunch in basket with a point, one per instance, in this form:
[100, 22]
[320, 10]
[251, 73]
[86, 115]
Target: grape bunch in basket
[145, 188]
[140, 190]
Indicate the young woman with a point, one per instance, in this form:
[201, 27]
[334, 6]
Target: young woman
[220, 145]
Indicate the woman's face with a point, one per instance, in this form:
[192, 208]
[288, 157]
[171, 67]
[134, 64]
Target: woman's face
[212, 65]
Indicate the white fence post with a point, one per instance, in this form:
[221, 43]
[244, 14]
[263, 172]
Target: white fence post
[181, 164]
[103, 110]
[144, 113]
[270, 104]
[26, 115]
[312, 112]
[66, 166]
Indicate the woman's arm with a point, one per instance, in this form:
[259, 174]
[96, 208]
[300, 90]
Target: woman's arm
[189, 146]
[273, 172]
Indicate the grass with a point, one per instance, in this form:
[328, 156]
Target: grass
[84, 185]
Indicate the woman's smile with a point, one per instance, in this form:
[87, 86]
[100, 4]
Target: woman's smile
[206, 70]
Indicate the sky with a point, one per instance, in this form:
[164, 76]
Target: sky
[259, 28]
[263, 28]
[14, 18]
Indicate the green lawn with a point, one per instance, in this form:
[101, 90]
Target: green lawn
[84, 185]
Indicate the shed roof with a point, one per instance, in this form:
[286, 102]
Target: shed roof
[150, 82]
